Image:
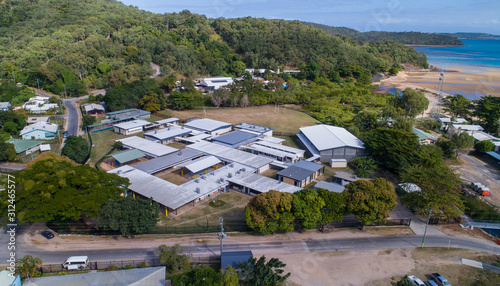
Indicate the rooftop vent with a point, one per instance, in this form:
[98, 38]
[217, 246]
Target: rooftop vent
[231, 165]
[229, 175]
[180, 153]
[243, 169]
[198, 190]
[119, 172]
[196, 180]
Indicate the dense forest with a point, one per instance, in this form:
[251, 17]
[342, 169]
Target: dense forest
[62, 45]
[408, 38]
[480, 36]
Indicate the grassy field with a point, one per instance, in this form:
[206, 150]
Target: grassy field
[286, 120]
[233, 210]
[103, 142]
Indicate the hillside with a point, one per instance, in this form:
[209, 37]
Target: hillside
[463, 35]
[61, 44]
[408, 38]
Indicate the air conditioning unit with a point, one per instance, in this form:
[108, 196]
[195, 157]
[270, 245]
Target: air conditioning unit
[198, 190]
[196, 180]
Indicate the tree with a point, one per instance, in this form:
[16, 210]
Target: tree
[27, 266]
[370, 201]
[440, 190]
[462, 142]
[447, 146]
[230, 277]
[484, 146]
[488, 110]
[7, 151]
[220, 96]
[10, 127]
[269, 212]
[260, 273]
[199, 277]
[392, 147]
[306, 207]
[364, 167]
[150, 102]
[11, 116]
[458, 105]
[76, 148]
[169, 83]
[172, 256]
[129, 215]
[412, 102]
[55, 189]
[403, 282]
[334, 207]
[87, 120]
[181, 100]
[118, 145]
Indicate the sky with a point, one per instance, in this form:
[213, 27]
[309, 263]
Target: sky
[446, 16]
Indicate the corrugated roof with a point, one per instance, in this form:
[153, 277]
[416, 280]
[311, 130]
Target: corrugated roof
[228, 154]
[132, 124]
[348, 176]
[147, 146]
[494, 154]
[261, 183]
[235, 138]
[168, 120]
[253, 127]
[280, 147]
[93, 106]
[161, 163]
[45, 147]
[45, 126]
[422, 135]
[325, 137]
[201, 164]
[23, 145]
[152, 276]
[468, 127]
[168, 133]
[207, 124]
[300, 170]
[272, 139]
[332, 187]
[127, 155]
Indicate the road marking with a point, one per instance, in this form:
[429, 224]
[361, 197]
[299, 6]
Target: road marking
[306, 249]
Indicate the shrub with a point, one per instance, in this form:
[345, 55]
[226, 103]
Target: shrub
[112, 267]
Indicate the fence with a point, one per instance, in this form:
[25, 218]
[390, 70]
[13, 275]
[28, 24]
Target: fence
[124, 264]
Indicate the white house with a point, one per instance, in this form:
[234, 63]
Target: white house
[40, 130]
[131, 127]
[214, 83]
[4, 106]
[39, 104]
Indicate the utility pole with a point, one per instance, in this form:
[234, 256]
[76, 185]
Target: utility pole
[425, 232]
[222, 235]
[38, 83]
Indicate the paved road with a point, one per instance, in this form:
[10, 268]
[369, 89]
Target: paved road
[72, 125]
[268, 247]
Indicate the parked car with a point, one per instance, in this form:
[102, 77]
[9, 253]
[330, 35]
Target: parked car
[440, 280]
[65, 134]
[431, 283]
[415, 280]
[76, 262]
[47, 234]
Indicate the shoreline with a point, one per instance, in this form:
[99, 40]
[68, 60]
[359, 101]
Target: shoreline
[433, 46]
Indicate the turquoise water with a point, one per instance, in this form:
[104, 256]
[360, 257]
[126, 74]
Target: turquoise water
[476, 53]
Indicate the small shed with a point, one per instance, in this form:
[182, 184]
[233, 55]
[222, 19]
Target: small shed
[338, 163]
[301, 173]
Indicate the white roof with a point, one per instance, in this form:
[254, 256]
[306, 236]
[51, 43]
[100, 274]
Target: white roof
[261, 183]
[42, 108]
[216, 82]
[228, 154]
[207, 124]
[170, 132]
[481, 136]
[201, 164]
[93, 106]
[325, 137]
[45, 147]
[196, 138]
[280, 147]
[272, 139]
[4, 104]
[269, 151]
[458, 120]
[147, 146]
[168, 120]
[132, 124]
[149, 186]
[468, 127]
[45, 126]
[32, 120]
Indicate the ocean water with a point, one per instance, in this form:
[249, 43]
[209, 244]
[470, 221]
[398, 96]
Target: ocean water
[476, 53]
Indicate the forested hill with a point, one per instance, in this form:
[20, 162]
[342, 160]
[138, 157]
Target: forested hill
[408, 38]
[101, 43]
[479, 36]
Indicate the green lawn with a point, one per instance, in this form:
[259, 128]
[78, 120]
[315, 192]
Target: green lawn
[179, 146]
[273, 174]
[103, 142]
[232, 211]
[291, 141]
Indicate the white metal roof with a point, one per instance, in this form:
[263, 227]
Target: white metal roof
[332, 187]
[132, 124]
[261, 183]
[201, 164]
[231, 155]
[216, 82]
[325, 137]
[93, 106]
[272, 139]
[45, 126]
[169, 132]
[457, 120]
[147, 146]
[269, 151]
[468, 127]
[481, 136]
[168, 120]
[287, 149]
[45, 147]
[207, 124]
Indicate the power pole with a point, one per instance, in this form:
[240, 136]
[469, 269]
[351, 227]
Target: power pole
[38, 83]
[425, 232]
[222, 235]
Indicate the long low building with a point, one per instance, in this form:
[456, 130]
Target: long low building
[209, 126]
[280, 152]
[131, 127]
[231, 155]
[156, 165]
[168, 134]
[148, 147]
[254, 184]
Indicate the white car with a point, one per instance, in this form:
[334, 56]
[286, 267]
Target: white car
[414, 279]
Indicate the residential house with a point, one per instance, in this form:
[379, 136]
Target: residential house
[40, 130]
[5, 106]
[131, 127]
[423, 137]
[214, 83]
[25, 146]
[94, 109]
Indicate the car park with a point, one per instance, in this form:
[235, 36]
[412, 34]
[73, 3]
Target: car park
[47, 234]
[415, 280]
[440, 280]
[431, 283]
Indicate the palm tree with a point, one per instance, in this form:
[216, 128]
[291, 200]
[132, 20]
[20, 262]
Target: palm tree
[27, 266]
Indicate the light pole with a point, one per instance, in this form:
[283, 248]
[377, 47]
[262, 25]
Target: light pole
[222, 235]
[425, 232]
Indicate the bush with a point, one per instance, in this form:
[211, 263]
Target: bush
[216, 203]
[128, 266]
[112, 267]
[477, 209]
[143, 264]
[484, 146]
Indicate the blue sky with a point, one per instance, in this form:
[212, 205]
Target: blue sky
[362, 15]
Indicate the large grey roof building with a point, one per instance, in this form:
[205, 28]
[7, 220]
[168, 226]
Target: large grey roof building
[148, 147]
[235, 139]
[330, 142]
